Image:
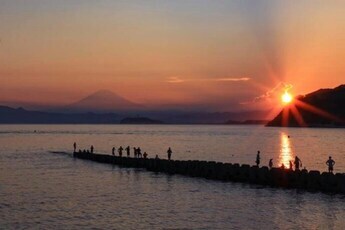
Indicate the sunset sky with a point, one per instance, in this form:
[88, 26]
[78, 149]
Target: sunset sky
[229, 55]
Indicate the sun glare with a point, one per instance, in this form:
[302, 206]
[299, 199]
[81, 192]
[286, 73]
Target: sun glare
[286, 98]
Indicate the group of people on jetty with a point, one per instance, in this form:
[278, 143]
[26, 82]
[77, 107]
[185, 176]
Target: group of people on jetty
[297, 163]
[137, 151]
[138, 154]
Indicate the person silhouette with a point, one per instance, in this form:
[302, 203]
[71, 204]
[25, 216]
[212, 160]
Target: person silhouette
[139, 152]
[128, 150]
[145, 155]
[257, 161]
[92, 148]
[75, 147]
[330, 164]
[169, 153]
[297, 163]
[113, 151]
[290, 165]
[120, 151]
[135, 152]
[270, 163]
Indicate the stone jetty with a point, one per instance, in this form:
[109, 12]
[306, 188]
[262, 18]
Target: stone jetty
[276, 177]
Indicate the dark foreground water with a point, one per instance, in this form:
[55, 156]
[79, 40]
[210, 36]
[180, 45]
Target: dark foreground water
[39, 189]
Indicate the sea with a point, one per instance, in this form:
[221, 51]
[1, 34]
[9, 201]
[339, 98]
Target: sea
[43, 187]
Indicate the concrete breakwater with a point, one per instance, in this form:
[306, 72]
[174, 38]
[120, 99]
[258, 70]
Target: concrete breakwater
[275, 177]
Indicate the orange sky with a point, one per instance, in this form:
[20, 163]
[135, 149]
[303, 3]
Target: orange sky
[224, 53]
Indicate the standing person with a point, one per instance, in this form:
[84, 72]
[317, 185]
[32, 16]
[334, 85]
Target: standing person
[145, 155]
[270, 163]
[139, 152]
[290, 165]
[135, 152]
[169, 153]
[120, 151]
[297, 163]
[258, 159]
[92, 148]
[330, 164]
[113, 151]
[75, 146]
[128, 150]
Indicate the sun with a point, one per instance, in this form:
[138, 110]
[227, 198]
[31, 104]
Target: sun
[286, 98]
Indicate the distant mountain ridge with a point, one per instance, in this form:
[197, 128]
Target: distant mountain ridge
[105, 102]
[21, 116]
[106, 107]
[10, 115]
[102, 101]
[322, 108]
[247, 122]
[140, 120]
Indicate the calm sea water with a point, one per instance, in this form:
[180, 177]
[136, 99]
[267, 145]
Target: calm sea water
[40, 189]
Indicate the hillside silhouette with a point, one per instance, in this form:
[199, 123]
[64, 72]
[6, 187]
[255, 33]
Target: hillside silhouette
[322, 108]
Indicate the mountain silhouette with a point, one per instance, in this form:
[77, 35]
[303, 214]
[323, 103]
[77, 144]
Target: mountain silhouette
[139, 120]
[322, 108]
[22, 116]
[103, 101]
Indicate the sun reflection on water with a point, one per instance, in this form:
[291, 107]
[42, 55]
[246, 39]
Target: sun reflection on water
[286, 153]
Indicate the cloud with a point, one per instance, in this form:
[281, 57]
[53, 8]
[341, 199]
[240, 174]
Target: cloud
[233, 79]
[282, 86]
[175, 80]
[226, 79]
